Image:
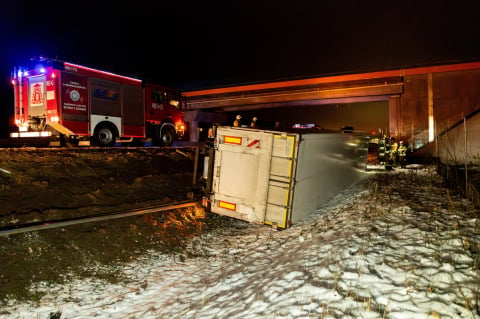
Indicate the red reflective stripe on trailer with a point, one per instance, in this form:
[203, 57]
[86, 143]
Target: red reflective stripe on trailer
[253, 143]
[227, 205]
[232, 140]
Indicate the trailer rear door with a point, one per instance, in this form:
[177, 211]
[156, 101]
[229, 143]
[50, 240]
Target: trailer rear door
[253, 173]
[241, 173]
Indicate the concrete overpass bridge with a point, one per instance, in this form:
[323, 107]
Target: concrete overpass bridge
[420, 104]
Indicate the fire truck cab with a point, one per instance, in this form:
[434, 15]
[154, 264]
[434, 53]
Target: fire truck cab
[81, 105]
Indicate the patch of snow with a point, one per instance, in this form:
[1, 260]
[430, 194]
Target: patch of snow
[346, 260]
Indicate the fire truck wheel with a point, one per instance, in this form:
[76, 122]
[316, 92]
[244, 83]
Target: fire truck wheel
[105, 135]
[168, 135]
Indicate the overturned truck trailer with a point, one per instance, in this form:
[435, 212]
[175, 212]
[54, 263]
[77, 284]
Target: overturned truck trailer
[277, 178]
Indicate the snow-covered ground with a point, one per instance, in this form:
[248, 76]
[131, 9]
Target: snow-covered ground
[399, 246]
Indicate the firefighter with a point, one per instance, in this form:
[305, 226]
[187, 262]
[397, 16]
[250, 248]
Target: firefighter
[402, 154]
[253, 124]
[237, 121]
[393, 151]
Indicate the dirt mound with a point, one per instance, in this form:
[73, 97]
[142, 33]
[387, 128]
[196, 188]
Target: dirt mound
[40, 184]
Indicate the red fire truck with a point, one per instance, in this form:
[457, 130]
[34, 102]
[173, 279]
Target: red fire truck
[84, 106]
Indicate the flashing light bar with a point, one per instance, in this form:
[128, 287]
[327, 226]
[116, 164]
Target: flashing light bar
[227, 205]
[232, 140]
[100, 71]
[16, 75]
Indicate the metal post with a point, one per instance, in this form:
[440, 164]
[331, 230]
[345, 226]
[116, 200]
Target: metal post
[195, 165]
[465, 159]
[436, 142]
[211, 160]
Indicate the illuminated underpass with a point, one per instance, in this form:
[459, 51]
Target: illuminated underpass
[414, 104]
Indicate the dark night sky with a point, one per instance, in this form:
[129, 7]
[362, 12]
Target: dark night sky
[200, 44]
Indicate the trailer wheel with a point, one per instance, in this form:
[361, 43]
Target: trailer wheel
[105, 135]
[167, 136]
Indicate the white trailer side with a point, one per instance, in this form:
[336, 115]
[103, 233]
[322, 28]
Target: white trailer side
[278, 178]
